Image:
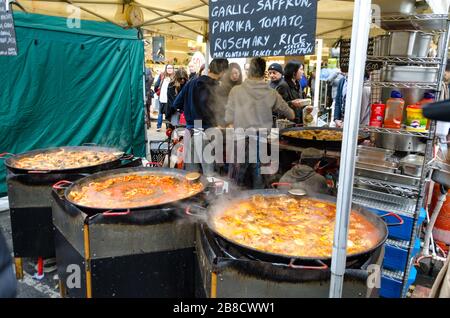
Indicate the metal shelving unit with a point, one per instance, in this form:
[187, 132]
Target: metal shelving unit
[417, 85]
[396, 132]
[405, 60]
[405, 199]
[375, 200]
[398, 189]
[417, 22]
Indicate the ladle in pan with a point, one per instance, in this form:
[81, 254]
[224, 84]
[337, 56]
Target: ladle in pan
[298, 192]
[193, 176]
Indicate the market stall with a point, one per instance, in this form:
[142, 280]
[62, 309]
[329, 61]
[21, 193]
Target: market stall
[150, 232]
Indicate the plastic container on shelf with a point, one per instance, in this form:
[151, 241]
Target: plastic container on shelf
[377, 112]
[427, 99]
[404, 231]
[394, 111]
[415, 121]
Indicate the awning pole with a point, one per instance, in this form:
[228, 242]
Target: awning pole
[358, 52]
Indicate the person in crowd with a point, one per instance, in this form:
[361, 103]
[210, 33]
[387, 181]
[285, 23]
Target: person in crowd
[304, 176]
[8, 283]
[251, 105]
[201, 101]
[341, 98]
[303, 84]
[176, 85]
[275, 74]
[232, 78]
[333, 81]
[161, 88]
[149, 79]
[312, 83]
[289, 89]
[192, 71]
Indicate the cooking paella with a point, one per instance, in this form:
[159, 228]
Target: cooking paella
[133, 190]
[65, 159]
[325, 135]
[297, 227]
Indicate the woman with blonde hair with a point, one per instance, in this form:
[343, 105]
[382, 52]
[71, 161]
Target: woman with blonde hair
[176, 85]
[161, 89]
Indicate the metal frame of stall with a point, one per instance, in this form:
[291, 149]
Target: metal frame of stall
[358, 55]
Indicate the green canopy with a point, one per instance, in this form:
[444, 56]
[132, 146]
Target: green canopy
[70, 86]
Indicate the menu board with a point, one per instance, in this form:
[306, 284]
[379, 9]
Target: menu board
[344, 57]
[8, 45]
[247, 28]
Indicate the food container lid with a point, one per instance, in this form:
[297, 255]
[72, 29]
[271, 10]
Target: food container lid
[418, 107]
[396, 94]
[412, 159]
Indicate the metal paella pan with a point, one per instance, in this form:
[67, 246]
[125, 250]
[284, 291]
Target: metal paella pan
[132, 189]
[316, 137]
[63, 160]
[243, 222]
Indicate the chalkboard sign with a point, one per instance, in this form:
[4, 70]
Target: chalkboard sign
[246, 28]
[7, 33]
[344, 57]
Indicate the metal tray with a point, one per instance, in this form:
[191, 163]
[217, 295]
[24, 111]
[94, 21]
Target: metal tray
[387, 176]
[384, 166]
[410, 74]
[411, 165]
[441, 173]
[374, 153]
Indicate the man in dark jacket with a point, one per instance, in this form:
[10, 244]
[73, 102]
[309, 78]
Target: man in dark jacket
[276, 75]
[200, 97]
[201, 100]
[8, 282]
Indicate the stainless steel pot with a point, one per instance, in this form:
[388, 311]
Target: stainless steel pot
[422, 44]
[384, 45]
[400, 142]
[396, 6]
[412, 165]
[411, 74]
[401, 43]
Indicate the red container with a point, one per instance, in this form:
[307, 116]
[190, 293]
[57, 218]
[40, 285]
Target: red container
[377, 115]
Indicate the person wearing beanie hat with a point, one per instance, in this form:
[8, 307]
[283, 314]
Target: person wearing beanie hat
[276, 75]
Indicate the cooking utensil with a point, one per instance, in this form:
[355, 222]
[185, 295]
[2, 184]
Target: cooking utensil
[401, 43]
[298, 192]
[207, 216]
[385, 166]
[441, 173]
[141, 171]
[118, 156]
[422, 44]
[384, 45]
[410, 74]
[387, 176]
[193, 176]
[378, 154]
[412, 165]
[399, 142]
[403, 7]
[314, 143]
